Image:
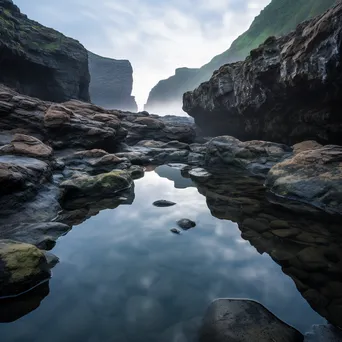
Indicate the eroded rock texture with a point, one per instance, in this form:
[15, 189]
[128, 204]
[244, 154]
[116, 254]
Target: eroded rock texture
[288, 90]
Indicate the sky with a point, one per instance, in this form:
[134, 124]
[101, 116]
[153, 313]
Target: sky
[157, 36]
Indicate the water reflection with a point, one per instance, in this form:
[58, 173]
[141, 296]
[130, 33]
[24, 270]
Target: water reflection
[124, 277]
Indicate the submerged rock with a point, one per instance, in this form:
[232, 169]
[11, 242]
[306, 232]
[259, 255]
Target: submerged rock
[22, 266]
[233, 320]
[312, 177]
[163, 203]
[186, 224]
[288, 90]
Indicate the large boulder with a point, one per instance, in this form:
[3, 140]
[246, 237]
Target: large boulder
[256, 156]
[311, 177]
[111, 83]
[39, 61]
[233, 320]
[22, 266]
[287, 90]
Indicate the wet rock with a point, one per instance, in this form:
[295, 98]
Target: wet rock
[199, 174]
[22, 266]
[175, 231]
[141, 127]
[51, 259]
[94, 161]
[20, 179]
[236, 320]
[312, 177]
[266, 105]
[186, 224]
[136, 172]
[258, 157]
[26, 145]
[286, 233]
[42, 235]
[163, 203]
[82, 189]
[278, 224]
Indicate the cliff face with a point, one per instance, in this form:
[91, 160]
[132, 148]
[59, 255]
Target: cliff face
[278, 18]
[288, 90]
[169, 92]
[39, 61]
[111, 83]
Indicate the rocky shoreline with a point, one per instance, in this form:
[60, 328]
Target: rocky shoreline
[61, 164]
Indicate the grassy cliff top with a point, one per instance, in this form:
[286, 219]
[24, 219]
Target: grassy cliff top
[27, 37]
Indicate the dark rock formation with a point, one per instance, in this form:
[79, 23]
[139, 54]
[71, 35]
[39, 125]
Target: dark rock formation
[238, 320]
[288, 90]
[39, 61]
[311, 177]
[278, 18]
[111, 83]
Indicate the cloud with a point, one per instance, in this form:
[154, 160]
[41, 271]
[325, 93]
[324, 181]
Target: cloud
[157, 36]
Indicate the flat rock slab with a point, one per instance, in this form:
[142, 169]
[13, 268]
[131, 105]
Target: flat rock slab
[163, 203]
[234, 320]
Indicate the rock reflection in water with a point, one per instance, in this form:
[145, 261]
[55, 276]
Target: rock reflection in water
[309, 249]
[11, 309]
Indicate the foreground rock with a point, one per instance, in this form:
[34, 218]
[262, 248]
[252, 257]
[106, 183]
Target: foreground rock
[256, 156]
[22, 266]
[292, 92]
[313, 177]
[79, 190]
[39, 61]
[111, 83]
[232, 320]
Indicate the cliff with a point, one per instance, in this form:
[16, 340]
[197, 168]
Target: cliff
[278, 18]
[39, 61]
[167, 93]
[111, 83]
[288, 90]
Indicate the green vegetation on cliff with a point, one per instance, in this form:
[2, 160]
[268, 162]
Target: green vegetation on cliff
[278, 18]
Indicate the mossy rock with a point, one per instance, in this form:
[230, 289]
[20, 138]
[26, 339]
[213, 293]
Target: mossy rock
[96, 186]
[22, 266]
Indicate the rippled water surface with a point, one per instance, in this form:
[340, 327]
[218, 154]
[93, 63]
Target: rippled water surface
[123, 276]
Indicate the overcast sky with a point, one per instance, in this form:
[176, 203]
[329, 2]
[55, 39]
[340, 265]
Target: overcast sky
[157, 36]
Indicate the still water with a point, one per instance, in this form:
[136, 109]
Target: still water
[123, 276]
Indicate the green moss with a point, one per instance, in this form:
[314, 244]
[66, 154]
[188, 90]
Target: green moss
[21, 260]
